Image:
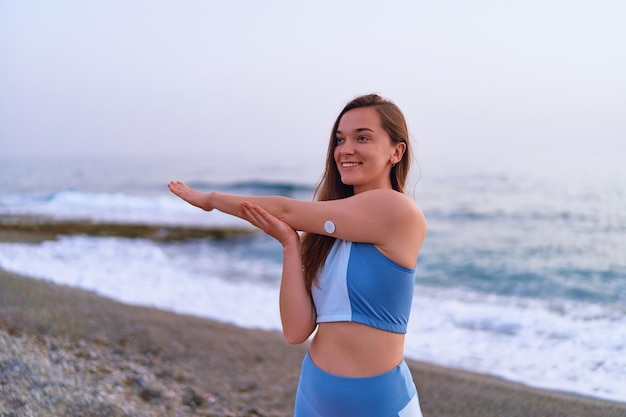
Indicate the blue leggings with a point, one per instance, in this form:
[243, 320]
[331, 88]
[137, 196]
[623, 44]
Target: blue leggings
[321, 394]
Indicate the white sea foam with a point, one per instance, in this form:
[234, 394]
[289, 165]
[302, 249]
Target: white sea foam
[141, 272]
[562, 345]
[114, 207]
[568, 346]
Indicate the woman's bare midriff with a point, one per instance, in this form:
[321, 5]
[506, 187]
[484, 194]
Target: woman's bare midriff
[355, 350]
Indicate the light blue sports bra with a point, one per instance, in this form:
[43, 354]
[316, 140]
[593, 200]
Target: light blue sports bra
[360, 284]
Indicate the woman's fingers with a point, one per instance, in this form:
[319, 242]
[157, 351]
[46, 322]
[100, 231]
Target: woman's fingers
[256, 215]
[252, 216]
[188, 194]
[265, 221]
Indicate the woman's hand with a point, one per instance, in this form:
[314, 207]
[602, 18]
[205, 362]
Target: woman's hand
[271, 225]
[193, 197]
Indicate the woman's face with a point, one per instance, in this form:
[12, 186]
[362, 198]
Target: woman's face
[364, 152]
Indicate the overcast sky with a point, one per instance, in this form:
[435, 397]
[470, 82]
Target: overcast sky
[497, 79]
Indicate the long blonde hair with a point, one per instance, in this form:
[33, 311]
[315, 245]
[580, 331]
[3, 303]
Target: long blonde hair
[315, 248]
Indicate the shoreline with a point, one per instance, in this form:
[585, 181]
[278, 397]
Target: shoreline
[28, 228]
[64, 351]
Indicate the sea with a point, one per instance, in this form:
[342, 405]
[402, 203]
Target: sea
[522, 274]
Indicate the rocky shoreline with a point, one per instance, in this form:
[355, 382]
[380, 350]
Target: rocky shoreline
[38, 228]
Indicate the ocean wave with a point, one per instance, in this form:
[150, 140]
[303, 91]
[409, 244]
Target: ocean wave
[143, 207]
[112, 207]
[256, 187]
[467, 214]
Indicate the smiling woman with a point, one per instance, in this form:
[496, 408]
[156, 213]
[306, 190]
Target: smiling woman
[352, 276]
[363, 150]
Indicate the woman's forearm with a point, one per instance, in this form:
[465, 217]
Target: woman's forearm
[297, 312]
[231, 203]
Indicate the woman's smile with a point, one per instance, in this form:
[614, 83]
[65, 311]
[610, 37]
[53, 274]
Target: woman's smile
[346, 165]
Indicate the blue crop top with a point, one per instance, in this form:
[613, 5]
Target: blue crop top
[360, 284]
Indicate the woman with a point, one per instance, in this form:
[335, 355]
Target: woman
[352, 276]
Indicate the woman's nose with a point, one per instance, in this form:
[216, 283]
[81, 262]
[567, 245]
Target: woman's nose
[347, 147]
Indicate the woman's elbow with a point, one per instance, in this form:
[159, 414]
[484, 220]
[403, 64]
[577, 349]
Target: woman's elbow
[296, 337]
[294, 340]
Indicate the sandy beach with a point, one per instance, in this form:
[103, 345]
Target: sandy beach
[68, 352]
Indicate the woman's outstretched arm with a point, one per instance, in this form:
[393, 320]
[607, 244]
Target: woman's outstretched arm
[386, 218]
[226, 203]
[297, 312]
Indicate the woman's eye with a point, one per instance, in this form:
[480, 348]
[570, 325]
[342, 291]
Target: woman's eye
[339, 141]
[362, 138]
